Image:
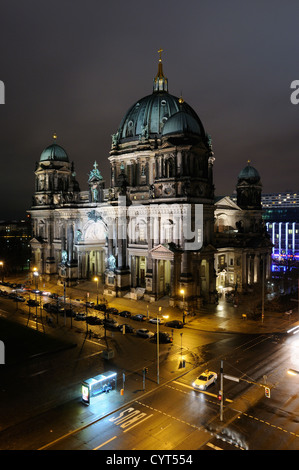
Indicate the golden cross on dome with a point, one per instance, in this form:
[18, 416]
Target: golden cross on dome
[160, 53]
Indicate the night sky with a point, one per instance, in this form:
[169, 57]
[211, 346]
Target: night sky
[74, 67]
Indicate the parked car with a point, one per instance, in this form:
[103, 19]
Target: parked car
[112, 310]
[94, 320]
[53, 296]
[32, 303]
[204, 380]
[19, 298]
[89, 304]
[80, 317]
[128, 328]
[156, 320]
[163, 337]
[52, 308]
[46, 293]
[144, 333]
[12, 295]
[69, 312]
[110, 323]
[125, 313]
[139, 317]
[101, 307]
[175, 324]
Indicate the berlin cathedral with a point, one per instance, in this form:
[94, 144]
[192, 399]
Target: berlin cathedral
[132, 234]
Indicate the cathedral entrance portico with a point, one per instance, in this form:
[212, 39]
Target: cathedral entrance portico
[138, 270]
[91, 247]
[91, 261]
[162, 272]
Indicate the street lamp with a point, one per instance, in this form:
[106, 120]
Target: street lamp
[182, 291]
[35, 274]
[96, 279]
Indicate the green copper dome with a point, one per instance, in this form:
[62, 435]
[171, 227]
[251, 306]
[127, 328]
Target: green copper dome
[249, 173]
[54, 153]
[148, 116]
[183, 123]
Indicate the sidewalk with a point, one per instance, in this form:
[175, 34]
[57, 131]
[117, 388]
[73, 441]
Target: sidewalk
[218, 318]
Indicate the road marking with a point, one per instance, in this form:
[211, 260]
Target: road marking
[213, 447]
[38, 373]
[104, 443]
[149, 416]
[170, 416]
[128, 417]
[200, 391]
[270, 424]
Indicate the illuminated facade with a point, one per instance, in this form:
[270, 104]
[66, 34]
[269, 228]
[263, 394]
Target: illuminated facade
[133, 234]
[243, 246]
[281, 216]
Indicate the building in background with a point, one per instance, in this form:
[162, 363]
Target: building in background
[15, 250]
[281, 215]
[243, 256]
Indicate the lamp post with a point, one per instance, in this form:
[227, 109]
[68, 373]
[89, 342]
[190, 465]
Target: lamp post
[182, 291]
[96, 279]
[35, 273]
[2, 270]
[263, 289]
[158, 341]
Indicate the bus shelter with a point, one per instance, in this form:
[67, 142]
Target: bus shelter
[94, 386]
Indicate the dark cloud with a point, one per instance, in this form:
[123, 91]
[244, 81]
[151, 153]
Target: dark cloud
[75, 67]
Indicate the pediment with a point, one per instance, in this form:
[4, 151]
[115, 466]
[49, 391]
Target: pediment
[38, 240]
[161, 252]
[226, 203]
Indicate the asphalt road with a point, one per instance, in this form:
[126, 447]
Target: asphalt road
[40, 390]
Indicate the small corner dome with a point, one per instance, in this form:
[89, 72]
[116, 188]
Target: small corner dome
[182, 123]
[54, 152]
[249, 173]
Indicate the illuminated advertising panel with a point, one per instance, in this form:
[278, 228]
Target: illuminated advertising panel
[97, 385]
[85, 394]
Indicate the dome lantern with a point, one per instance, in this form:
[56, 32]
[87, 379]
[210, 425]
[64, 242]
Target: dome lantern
[160, 82]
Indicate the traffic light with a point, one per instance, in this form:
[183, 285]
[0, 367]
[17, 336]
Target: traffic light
[267, 392]
[220, 395]
[145, 370]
